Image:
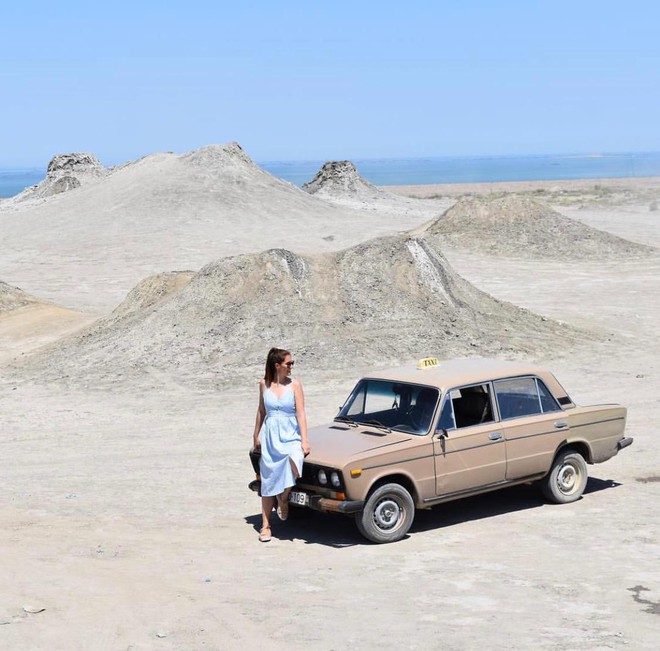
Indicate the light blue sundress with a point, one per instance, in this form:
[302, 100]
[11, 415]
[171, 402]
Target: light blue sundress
[280, 441]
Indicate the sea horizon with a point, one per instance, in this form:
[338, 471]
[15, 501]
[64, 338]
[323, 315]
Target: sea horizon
[433, 169]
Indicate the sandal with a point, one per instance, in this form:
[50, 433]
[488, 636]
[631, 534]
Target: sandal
[282, 509]
[264, 534]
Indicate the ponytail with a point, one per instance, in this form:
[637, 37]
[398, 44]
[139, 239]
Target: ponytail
[275, 356]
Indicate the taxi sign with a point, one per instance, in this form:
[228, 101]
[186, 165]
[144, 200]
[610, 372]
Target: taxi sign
[428, 362]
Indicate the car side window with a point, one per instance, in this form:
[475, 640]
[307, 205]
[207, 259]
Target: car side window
[467, 406]
[517, 397]
[524, 396]
[548, 402]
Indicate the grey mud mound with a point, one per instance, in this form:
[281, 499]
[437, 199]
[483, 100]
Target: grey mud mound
[153, 290]
[163, 212]
[340, 183]
[522, 227]
[339, 179]
[65, 172]
[388, 300]
[12, 298]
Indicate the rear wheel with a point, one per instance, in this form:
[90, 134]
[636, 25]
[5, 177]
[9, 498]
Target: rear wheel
[387, 515]
[567, 478]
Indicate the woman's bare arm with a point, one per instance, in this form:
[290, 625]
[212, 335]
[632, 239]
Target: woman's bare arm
[300, 415]
[261, 414]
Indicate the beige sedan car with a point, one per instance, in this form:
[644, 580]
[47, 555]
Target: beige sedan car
[413, 437]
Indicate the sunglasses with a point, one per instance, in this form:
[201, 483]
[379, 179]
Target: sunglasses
[289, 364]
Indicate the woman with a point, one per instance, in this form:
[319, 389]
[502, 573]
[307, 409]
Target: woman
[280, 431]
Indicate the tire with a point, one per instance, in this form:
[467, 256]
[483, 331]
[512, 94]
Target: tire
[387, 515]
[567, 478]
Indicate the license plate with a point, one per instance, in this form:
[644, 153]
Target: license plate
[296, 497]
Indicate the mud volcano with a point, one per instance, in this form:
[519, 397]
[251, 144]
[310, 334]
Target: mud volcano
[11, 298]
[339, 183]
[522, 227]
[390, 299]
[65, 172]
[164, 212]
[340, 179]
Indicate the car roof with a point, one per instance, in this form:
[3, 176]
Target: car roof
[458, 372]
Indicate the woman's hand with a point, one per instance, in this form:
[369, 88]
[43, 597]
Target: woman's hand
[257, 442]
[305, 448]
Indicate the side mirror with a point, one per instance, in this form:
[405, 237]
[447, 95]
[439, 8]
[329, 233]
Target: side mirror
[442, 433]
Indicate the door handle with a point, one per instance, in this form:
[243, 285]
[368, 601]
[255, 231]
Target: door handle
[560, 424]
[495, 436]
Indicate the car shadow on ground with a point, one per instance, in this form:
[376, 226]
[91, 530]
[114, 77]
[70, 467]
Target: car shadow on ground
[489, 505]
[594, 485]
[340, 531]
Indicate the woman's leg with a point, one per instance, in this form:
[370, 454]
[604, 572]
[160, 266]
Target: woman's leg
[283, 497]
[267, 506]
[294, 468]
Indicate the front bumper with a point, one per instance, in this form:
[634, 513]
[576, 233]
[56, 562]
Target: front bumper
[327, 504]
[320, 503]
[316, 502]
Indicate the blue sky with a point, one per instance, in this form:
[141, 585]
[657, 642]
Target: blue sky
[307, 80]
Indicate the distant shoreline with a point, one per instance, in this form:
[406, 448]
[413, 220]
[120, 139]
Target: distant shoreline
[467, 173]
[431, 190]
[14, 181]
[427, 191]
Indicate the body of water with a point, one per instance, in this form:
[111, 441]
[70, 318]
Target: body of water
[14, 181]
[486, 169]
[422, 171]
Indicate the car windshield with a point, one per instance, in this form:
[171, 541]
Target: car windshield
[394, 405]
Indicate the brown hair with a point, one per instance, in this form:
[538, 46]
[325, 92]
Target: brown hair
[275, 356]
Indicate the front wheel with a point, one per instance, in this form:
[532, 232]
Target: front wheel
[567, 478]
[387, 515]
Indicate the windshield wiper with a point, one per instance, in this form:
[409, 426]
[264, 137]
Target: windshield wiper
[346, 419]
[378, 424]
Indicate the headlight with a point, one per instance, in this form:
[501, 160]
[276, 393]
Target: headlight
[322, 477]
[334, 479]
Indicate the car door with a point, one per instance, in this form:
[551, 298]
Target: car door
[469, 449]
[533, 423]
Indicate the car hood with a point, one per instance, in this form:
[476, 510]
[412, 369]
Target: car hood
[337, 444]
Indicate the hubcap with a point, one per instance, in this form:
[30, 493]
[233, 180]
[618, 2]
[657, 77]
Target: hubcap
[567, 478]
[387, 513]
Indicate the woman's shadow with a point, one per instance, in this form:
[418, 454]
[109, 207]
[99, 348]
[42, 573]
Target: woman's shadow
[312, 528]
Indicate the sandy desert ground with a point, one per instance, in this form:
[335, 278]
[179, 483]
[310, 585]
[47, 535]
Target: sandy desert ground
[126, 522]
